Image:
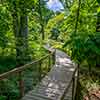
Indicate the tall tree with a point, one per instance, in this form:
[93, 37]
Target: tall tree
[19, 10]
[22, 36]
[40, 6]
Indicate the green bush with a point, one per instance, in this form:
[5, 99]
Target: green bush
[9, 90]
[7, 63]
[2, 97]
[85, 47]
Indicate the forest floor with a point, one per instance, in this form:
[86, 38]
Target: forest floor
[90, 86]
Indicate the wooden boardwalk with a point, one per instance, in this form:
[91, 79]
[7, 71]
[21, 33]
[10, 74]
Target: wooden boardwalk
[57, 84]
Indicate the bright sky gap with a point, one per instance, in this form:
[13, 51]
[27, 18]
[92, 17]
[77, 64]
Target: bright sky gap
[54, 5]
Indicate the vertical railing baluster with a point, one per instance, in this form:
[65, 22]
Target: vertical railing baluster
[40, 70]
[21, 84]
[77, 85]
[49, 62]
[35, 77]
[73, 88]
[53, 57]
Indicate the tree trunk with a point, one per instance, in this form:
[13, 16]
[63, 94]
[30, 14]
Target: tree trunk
[41, 19]
[15, 26]
[22, 41]
[20, 28]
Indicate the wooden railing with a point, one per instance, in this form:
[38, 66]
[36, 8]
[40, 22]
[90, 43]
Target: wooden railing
[18, 72]
[73, 83]
[59, 84]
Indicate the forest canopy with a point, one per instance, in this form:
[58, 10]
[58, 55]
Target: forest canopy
[73, 25]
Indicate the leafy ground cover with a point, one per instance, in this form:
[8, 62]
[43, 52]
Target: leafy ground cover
[90, 86]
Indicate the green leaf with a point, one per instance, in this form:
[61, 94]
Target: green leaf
[98, 1]
[98, 10]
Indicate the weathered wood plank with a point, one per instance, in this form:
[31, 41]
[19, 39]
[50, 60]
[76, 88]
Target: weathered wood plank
[58, 80]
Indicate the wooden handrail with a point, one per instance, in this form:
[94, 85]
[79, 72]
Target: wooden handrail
[18, 71]
[66, 90]
[22, 68]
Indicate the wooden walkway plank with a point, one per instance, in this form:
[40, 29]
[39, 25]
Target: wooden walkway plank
[53, 86]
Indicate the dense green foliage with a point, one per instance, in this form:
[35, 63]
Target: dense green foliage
[25, 26]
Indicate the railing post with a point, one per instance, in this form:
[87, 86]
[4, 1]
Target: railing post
[53, 57]
[49, 63]
[77, 86]
[40, 73]
[73, 88]
[21, 85]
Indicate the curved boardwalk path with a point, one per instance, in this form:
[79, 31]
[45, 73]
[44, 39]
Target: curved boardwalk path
[56, 85]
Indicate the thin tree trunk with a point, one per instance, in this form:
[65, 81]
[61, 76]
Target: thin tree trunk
[41, 20]
[77, 20]
[77, 95]
[15, 27]
[77, 16]
[22, 41]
